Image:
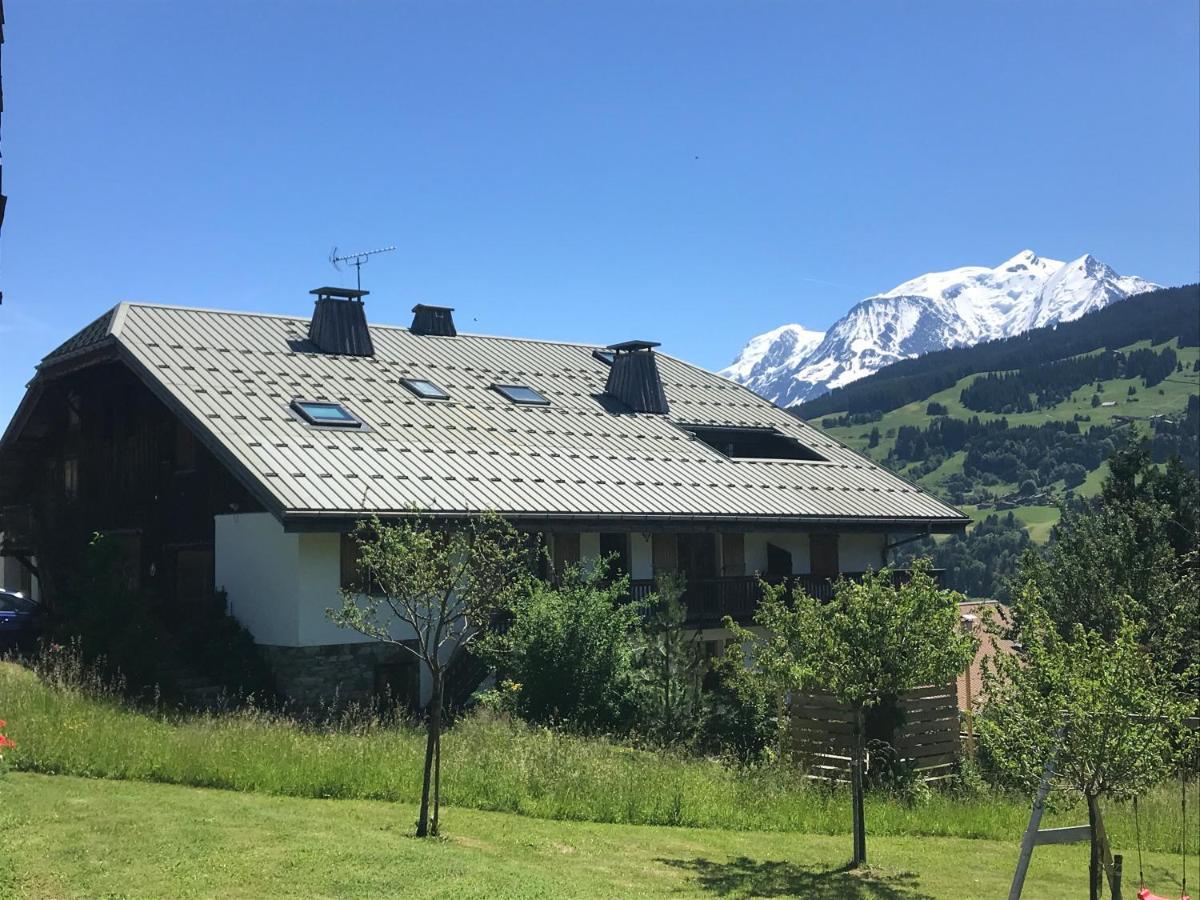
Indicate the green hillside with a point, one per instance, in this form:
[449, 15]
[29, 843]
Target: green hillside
[1168, 398]
[1013, 431]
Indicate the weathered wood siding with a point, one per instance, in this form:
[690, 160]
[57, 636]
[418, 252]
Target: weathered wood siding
[822, 732]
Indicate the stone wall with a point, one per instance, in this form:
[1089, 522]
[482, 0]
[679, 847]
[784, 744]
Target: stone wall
[330, 675]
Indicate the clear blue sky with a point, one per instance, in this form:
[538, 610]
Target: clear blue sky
[689, 172]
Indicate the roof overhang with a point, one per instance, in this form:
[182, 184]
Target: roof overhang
[323, 521]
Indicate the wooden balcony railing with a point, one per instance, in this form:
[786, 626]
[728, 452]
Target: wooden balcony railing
[710, 600]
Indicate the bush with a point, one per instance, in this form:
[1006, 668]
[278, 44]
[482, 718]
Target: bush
[569, 652]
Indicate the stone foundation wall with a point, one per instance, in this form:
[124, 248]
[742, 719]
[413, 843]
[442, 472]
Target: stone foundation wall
[330, 675]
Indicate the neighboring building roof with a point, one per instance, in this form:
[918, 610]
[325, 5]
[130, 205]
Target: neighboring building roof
[233, 376]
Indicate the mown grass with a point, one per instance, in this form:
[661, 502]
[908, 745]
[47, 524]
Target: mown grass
[67, 837]
[489, 764]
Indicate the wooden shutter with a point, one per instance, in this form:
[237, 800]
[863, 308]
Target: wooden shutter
[665, 553]
[566, 550]
[733, 554]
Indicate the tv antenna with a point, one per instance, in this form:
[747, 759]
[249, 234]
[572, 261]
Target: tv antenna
[358, 260]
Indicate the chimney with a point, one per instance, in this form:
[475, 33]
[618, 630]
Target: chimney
[437, 320]
[339, 324]
[634, 378]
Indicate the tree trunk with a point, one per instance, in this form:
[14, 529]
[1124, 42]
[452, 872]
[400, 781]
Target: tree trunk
[1094, 861]
[856, 793]
[433, 730]
[437, 781]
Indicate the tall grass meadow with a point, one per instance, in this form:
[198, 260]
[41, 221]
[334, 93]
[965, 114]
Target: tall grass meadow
[64, 720]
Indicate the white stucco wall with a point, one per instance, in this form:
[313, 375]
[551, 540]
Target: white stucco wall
[257, 563]
[860, 552]
[756, 550]
[589, 546]
[641, 556]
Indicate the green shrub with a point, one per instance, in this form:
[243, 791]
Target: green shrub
[569, 652]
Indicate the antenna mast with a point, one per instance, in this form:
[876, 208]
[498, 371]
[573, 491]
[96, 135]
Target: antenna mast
[358, 260]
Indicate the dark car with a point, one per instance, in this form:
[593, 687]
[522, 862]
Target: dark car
[18, 620]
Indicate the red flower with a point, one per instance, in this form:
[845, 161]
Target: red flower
[6, 742]
[2, 723]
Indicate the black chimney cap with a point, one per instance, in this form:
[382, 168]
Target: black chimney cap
[437, 320]
[630, 346]
[339, 293]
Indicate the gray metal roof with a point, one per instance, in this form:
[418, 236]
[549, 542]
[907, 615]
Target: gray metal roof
[234, 375]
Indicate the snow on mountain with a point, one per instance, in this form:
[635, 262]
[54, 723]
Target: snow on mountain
[931, 312]
[774, 354]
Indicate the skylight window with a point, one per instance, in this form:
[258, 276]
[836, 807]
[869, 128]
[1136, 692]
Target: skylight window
[426, 390]
[331, 415]
[519, 393]
[752, 443]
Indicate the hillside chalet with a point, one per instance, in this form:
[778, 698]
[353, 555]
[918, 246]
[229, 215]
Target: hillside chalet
[234, 451]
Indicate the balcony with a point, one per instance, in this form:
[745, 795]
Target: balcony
[16, 529]
[710, 600]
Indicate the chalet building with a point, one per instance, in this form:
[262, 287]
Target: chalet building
[234, 451]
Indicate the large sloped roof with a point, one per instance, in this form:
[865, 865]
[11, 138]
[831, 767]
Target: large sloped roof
[232, 376]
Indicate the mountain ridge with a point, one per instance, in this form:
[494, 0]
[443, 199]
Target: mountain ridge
[935, 311]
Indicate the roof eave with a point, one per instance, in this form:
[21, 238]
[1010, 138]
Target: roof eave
[327, 520]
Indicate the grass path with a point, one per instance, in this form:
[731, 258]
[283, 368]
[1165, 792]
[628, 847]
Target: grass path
[71, 837]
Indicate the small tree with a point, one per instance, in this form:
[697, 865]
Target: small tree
[670, 661]
[1102, 707]
[429, 590]
[569, 651]
[871, 643]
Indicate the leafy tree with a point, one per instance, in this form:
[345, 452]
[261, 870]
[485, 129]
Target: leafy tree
[739, 715]
[1101, 706]
[669, 663]
[569, 651]
[871, 643]
[427, 590]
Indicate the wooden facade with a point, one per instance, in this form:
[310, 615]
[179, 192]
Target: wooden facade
[102, 454]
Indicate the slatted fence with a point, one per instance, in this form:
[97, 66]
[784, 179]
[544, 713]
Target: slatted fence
[822, 732]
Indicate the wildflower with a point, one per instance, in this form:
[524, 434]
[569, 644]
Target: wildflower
[6, 742]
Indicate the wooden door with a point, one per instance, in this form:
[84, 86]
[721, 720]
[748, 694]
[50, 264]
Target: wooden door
[698, 555]
[779, 561]
[823, 555]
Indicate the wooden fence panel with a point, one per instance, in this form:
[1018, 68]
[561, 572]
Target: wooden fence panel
[822, 733]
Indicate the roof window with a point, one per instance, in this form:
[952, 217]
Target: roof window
[519, 393]
[424, 389]
[605, 356]
[331, 415]
[752, 443]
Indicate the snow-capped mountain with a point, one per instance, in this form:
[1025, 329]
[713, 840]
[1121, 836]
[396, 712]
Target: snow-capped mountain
[931, 312]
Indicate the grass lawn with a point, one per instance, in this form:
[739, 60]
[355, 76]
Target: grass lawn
[71, 837]
[491, 765]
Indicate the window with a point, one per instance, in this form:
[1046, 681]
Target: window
[326, 414]
[426, 390]
[616, 544]
[519, 393]
[70, 469]
[605, 356]
[752, 443]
